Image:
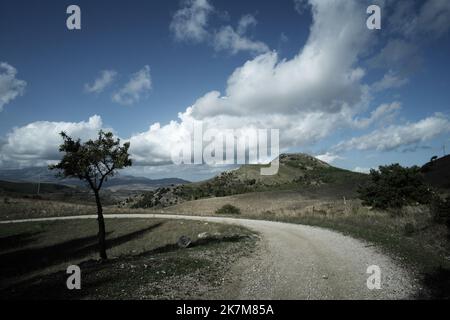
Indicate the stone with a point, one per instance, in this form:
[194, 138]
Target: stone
[184, 242]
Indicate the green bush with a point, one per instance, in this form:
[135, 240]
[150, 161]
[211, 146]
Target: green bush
[395, 186]
[228, 209]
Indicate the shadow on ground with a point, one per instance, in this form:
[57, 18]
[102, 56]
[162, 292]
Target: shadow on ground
[17, 240]
[99, 275]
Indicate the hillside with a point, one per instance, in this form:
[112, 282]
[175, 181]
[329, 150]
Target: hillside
[298, 172]
[119, 182]
[437, 173]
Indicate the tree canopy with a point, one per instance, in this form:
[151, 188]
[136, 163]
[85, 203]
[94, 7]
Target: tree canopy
[93, 161]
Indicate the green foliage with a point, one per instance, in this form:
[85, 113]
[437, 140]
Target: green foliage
[395, 186]
[147, 201]
[228, 209]
[93, 161]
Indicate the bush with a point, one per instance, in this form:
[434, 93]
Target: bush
[228, 209]
[441, 210]
[395, 186]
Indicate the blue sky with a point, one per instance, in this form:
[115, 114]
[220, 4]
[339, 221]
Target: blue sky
[355, 97]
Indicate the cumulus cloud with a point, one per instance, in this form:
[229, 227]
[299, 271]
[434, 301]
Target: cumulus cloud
[10, 86]
[384, 113]
[322, 77]
[234, 41]
[389, 81]
[308, 97]
[397, 136]
[190, 22]
[105, 78]
[362, 170]
[37, 143]
[139, 84]
[328, 157]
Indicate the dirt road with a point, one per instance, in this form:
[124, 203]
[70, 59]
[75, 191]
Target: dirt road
[301, 262]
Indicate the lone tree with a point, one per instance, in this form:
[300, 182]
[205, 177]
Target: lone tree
[94, 162]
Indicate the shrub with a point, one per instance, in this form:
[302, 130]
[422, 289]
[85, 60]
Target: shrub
[441, 210]
[395, 186]
[228, 209]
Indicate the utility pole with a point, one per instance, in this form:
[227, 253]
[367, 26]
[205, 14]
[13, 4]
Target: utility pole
[443, 148]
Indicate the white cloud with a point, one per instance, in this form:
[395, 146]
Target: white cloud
[328, 157]
[384, 113]
[140, 83]
[38, 142]
[396, 136]
[228, 39]
[189, 23]
[308, 97]
[10, 86]
[105, 78]
[362, 170]
[389, 81]
[245, 23]
[321, 78]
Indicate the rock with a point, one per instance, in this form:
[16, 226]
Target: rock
[203, 235]
[325, 277]
[184, 242]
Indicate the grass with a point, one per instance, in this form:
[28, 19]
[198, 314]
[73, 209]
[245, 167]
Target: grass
[145, 262]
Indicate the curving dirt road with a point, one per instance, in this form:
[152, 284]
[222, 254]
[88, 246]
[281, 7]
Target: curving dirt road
[300, 262]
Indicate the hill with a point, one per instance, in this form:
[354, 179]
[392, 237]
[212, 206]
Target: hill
[437, 173]
[119, 182]
[298, 172]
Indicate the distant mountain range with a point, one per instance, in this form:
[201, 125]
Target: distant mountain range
[44, 175]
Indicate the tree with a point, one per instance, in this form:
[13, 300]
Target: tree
[394, 186]
[93, 162]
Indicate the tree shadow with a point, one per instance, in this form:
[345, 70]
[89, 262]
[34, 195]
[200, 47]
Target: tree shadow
[95, 275]
[21, 262]
[17, 240]
[53, 286]
[196, 244]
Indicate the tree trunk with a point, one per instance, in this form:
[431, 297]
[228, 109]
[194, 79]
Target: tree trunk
[101, 228]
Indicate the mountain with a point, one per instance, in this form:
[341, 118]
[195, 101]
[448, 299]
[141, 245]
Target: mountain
[437, 172]
[44, 175]
[299, 172]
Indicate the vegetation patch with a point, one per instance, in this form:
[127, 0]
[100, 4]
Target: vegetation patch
[228, 209]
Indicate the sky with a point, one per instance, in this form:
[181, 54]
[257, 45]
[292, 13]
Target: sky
[146, 70]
